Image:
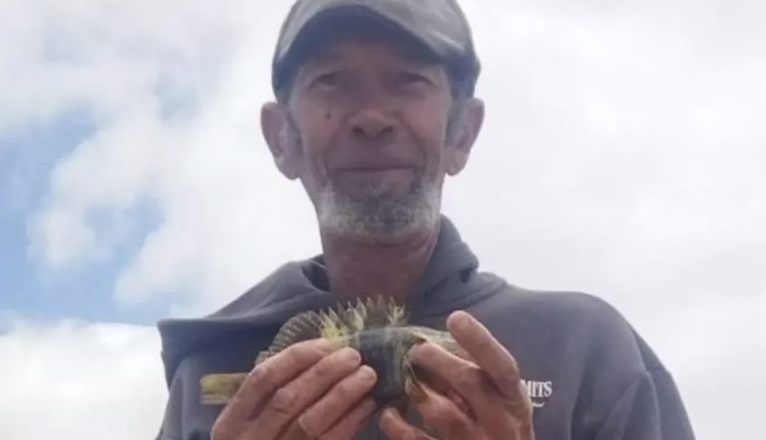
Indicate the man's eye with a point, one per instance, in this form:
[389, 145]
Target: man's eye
[412, 78]
[327, 79]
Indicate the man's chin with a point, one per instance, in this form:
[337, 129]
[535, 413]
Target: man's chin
[380, 224]
[363, 233]
[378, 213]
[370, 195]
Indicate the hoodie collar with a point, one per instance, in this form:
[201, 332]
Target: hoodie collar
[451, 255]
[450, 258]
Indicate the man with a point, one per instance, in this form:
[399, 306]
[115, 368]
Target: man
[375, 107]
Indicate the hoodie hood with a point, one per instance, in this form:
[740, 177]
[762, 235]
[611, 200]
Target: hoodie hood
[300, 286]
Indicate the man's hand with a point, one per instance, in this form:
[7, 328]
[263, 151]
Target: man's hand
[489, 401]
[306, 392]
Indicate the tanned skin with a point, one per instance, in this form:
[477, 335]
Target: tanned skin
[368, 112]
[370, 116]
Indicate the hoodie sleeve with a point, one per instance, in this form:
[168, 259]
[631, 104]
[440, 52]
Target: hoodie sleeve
[625, 392]
[185, 418]
[170, 426]
[649, 409]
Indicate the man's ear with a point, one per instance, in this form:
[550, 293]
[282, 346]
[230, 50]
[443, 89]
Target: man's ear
[467, 127]
[275, 128]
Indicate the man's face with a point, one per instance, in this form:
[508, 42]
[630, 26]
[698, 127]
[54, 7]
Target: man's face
[371, 129]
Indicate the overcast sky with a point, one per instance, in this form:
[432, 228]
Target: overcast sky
[622, 155]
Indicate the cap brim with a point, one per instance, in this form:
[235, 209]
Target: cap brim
[335, 23]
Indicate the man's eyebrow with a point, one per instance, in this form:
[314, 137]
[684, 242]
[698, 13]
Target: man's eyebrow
[324, 55]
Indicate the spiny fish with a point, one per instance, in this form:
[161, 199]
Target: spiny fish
[378, 329]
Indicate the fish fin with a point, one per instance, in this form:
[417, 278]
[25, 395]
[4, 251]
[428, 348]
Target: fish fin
[412, 386]
[336, 325]
[441, 338]
[382, 312]
[220, 388]
[301, 327]
[262, 356]
[351, 318]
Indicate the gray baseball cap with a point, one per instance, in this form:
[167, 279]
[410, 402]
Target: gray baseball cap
[440, 26]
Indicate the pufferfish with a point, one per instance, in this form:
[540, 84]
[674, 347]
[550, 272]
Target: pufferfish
[378, 329]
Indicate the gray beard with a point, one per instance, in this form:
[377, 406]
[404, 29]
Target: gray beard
[379, 216]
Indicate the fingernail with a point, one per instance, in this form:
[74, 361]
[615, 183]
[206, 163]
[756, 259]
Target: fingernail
[417, 352]
[368, 374]
[459, 319]
[369, 405]
[324, 345]
[349, 355]
[388, 413]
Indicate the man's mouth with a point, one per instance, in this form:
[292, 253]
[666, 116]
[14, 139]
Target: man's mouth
[373, 169]
[375, 172]
[375, 166]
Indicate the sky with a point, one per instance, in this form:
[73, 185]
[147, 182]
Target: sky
[621, 155]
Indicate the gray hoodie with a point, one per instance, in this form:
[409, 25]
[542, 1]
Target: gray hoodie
[588, 373]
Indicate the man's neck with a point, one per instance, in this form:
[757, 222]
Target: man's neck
[359, 270]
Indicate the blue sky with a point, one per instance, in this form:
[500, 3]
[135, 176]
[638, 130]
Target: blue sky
[28, 155]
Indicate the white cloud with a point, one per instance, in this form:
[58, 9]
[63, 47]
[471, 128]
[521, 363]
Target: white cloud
[621, 155]
[721, 366]
[80, 380]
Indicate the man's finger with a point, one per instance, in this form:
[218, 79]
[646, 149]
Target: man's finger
[272, 374]
[396, 428]
[487, 404]
[442, 414]
[347, 427]
[486, 352]
[292, 399]
[332, 406]
[463, 376]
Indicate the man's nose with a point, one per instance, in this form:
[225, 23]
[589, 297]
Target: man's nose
[372, 123]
